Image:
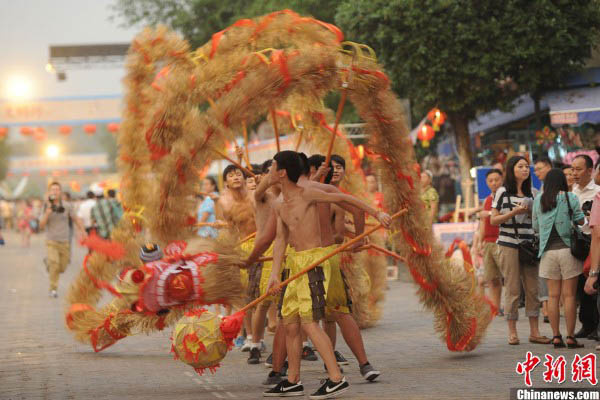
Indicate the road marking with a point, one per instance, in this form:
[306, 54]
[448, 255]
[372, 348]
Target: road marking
[233, 396]
[217, 395]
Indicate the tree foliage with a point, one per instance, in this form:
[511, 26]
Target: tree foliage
[456, 54]
[197, 20]
[4, 156]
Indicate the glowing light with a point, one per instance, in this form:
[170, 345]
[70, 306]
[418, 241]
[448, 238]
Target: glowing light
[18, 87]
[52, 151]
[50, 68]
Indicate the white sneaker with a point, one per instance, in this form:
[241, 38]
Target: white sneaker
[247, 345]
[53, 294]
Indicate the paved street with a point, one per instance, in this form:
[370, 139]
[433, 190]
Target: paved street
[40, 359]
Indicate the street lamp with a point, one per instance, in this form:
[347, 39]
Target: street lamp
[52, 151]
[18, 87]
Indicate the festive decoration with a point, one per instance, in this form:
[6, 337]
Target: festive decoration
[545, 137]
[26, 130]
[113, 127]
[437, 118]
[90, 129]
[65, 130]
[197, 340]
[3, 132]
[75, 186]
[425, 134]
[40, 134]
[164, 133]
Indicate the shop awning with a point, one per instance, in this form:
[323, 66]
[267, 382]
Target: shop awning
[523, 107]
[574, 106]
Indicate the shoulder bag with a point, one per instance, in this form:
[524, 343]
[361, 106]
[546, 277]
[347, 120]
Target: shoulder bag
[528, 249]
[580, 242]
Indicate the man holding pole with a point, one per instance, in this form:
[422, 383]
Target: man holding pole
[303, 301]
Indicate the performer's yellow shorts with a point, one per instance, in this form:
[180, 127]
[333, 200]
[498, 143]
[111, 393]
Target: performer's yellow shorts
[338, 299]
[304, 299]
[264, 277]
[246, 248]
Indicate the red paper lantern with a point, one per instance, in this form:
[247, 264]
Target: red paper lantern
[90, 129]
[437, 118]
[80, 171]
[26, 130]
[75, 186]
[426, 133]
[3, 132]
[65, 130]
[40, 134]
[96, 170]
[10, 174]
[55, 173]
[25, 173]
[43, 172]
[113, 127]
[361, 151]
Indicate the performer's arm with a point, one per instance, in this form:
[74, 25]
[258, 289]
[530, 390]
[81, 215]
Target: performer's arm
[323, 197]
[263, 239]
[279, 246]
[260, 192]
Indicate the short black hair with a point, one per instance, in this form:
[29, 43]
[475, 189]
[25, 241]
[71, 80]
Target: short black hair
[339, 159]
[493, 171]
[90, 194]
[589, 163]
[266, 165]
[256, 169]
[112, 193]
[290, 161]
[214, 182]
[316, 160]
[544, 160]
[231, 168]
[566, 166]
[305, 165]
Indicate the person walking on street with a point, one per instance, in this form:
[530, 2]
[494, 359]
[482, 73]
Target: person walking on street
[511, 210]
[85, 211]
[591, 283]
[554, 213]
[105, 214]
[586, 190]
[55, 218]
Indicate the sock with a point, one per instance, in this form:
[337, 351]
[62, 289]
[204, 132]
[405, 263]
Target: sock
[249, 337]
[305, 344]
[254, 345]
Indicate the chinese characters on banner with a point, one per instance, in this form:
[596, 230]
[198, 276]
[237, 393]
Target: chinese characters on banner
[582, 368]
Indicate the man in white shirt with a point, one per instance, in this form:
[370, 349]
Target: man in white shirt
[585, 189]
[85, 211]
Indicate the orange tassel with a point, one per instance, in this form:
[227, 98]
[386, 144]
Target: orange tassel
[110, 249]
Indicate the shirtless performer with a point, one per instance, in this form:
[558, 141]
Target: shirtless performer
[338, 300]
[264, 198]
[303, 305]
[236, 207]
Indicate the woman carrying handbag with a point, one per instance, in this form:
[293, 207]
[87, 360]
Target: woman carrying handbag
[554, 213]
[511, 210]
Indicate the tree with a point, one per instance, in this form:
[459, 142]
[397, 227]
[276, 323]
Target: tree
[4, 155]
[455, 54]
[197, 20]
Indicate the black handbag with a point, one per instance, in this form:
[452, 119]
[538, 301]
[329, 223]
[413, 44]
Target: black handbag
[528, 249]
[580, 242]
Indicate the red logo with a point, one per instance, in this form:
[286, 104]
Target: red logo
[527, 366]
[555, 369]
[584, 368]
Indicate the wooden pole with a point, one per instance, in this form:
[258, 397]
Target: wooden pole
[387, 252]
[274, 120]
[320, 261]
[338, 116]
[250, 236]
[237, 164]
[245, 131]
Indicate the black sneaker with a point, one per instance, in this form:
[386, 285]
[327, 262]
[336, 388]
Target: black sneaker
[368, 372]
[308, 354]
[286, 389]
[330, 389]
[273, 379]
[254, 357]
[269, 361]
[341, 360]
